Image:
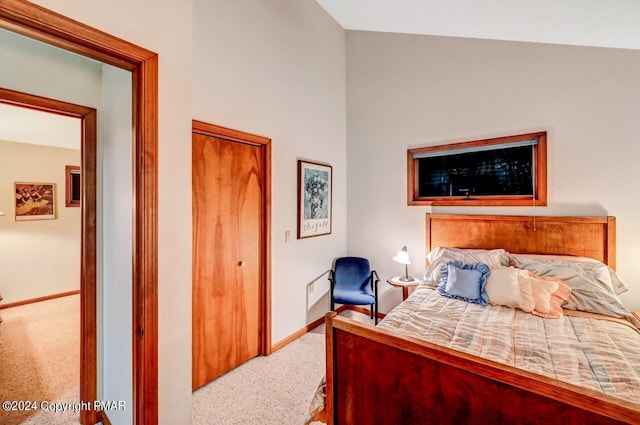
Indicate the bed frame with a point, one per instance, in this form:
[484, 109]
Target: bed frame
[375, 376]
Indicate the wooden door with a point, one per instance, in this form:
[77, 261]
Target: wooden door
[227, 231]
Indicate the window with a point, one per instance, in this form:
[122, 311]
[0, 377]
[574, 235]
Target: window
[72, 186]
[502, 171]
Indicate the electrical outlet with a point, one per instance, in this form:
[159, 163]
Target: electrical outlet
[311, 287]
[287, 236]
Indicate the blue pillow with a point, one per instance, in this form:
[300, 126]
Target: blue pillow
[466, 282]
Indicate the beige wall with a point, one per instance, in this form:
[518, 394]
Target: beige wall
[39, 257]
[276, 68]
[407, 91]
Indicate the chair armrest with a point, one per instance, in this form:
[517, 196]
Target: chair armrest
[331, 278]
[374, 282]
[374, 273]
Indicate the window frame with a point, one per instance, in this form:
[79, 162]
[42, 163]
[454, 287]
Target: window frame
[539, 197]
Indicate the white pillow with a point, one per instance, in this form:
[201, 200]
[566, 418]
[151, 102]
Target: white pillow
[510, 287]
[438, 256]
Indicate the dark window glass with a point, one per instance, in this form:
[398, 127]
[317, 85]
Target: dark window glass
[505, 171]
[75, 187]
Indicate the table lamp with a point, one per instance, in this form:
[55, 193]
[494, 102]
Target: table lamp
[402, 257]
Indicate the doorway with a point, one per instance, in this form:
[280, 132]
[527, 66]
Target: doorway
[40, 137]
[231, 221]
[88, 333]
[38, 23]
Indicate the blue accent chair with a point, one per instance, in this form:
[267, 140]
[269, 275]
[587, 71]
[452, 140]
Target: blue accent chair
[354, 283]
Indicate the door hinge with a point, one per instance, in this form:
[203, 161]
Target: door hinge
[140, 332]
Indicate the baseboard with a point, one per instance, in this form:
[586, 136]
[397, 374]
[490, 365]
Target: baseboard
[311, 326]
[38, 299]
[288, 340]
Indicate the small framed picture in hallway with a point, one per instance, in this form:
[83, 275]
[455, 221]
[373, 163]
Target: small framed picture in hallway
[314, 199]
[35, 201]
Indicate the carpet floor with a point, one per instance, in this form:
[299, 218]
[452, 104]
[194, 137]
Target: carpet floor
[273, 390]
[40, 358]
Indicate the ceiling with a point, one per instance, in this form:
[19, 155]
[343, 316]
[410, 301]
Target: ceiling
[25, 125]
[600, 23]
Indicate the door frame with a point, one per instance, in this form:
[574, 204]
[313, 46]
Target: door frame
[264, 143]
[44, 25]
[88, 278]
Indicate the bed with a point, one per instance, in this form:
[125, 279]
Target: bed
[393, 374]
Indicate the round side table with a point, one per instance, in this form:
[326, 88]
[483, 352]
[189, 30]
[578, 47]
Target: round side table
[395, 281]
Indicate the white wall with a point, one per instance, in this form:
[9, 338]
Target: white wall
[164, 27]
[116, 270]
[39, 257]
[277, 68]
[407, 91]
[47, 71]
[283, 78]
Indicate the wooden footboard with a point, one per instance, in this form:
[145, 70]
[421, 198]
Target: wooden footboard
[376, 377]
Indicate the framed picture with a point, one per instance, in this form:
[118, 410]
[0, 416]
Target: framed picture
[314, 199]
[35, 201]
[72, 186]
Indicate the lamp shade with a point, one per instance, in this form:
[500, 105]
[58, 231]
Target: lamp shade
[1, 213]
[402, 256]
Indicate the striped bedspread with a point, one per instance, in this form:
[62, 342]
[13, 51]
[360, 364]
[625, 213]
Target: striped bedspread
[591, 352]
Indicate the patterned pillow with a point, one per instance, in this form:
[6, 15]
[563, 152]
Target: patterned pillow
[464, 281]
[493, 258]
[618, 285]
[591, 287]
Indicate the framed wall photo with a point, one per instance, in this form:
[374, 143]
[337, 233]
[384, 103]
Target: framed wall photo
[314, 199]
[35, 201]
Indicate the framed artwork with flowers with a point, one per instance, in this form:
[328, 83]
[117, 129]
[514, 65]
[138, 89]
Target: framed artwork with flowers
[314, 199]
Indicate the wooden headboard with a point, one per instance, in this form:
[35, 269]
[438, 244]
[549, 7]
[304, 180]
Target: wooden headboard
[593, 237]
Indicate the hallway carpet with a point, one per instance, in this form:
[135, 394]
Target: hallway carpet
[40, 358]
